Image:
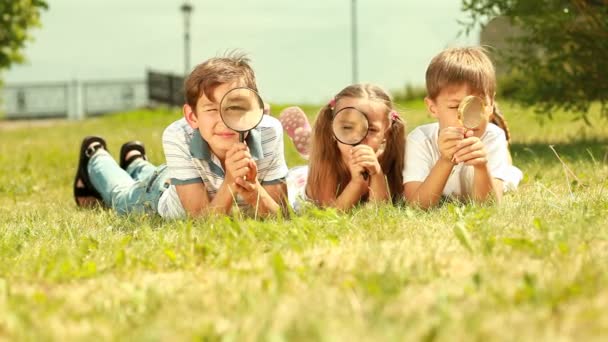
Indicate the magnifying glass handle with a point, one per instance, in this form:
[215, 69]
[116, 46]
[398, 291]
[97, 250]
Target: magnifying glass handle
[466, 130]
[365, 175]
[241, 139]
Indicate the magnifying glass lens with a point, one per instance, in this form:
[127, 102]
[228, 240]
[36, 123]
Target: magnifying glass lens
[350, 126]
[241, 109]
[471, 111]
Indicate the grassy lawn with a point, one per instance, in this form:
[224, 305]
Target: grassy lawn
[535, 267]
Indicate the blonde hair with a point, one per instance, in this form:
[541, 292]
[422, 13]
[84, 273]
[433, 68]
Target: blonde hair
[465, 65]
[327, 171]
[205, 77]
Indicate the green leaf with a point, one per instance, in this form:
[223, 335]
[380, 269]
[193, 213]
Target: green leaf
[463, 236]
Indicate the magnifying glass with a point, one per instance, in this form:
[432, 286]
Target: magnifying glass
[471, 113]
[350, 127]
[241, 110]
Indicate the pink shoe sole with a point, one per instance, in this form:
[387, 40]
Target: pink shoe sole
[296, 125]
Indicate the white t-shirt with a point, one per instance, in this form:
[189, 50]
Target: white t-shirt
[422, 153]
[190, 160]
[296, 186]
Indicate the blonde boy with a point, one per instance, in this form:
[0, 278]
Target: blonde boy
[444, 160]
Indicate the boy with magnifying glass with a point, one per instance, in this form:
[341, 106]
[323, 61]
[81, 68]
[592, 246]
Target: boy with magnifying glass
[210, 166]
[448, 158]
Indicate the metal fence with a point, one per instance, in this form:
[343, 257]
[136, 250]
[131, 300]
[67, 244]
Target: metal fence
[74, 100]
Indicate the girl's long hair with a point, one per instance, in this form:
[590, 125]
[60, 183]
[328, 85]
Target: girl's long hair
[328, 174]
[499, 120]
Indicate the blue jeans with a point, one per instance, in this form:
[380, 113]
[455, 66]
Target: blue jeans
[134, 191]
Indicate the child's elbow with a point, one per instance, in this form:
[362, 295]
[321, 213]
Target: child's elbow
[421, 203]
[424, 205]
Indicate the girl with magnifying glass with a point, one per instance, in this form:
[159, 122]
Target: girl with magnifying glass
[357, 152]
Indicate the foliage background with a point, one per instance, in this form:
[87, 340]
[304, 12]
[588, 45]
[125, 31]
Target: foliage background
[558, 54]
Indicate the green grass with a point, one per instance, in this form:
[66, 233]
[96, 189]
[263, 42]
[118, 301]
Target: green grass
[535, 267]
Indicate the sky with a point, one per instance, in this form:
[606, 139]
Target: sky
[300, 50]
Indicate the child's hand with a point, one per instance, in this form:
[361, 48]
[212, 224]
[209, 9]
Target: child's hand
[449, 138]
[238, 162]
[365, 157]
[249, 182]
[356, 170]
[471, 151]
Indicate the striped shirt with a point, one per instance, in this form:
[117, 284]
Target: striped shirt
[190, 160]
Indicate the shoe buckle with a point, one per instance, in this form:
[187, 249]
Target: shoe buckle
[90, 151]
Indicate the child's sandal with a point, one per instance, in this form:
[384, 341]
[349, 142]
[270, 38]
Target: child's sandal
[85, 194]
[127, 147]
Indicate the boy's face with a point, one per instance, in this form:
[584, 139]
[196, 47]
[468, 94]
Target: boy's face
[377, 118]
[206, 117]
[445, 107]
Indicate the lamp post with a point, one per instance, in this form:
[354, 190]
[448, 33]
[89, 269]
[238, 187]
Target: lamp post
[186, 9]
[355, 57]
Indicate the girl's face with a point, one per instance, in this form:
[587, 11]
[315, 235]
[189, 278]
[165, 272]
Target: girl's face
[445, 108]
[378, 122]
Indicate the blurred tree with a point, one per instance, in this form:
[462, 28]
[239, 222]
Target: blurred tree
[558, 57]
[16, 18]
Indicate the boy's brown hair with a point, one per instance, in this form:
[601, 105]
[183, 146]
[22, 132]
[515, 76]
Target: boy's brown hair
[234, 66]
[327, 171]
[465, 65]
[457, 66]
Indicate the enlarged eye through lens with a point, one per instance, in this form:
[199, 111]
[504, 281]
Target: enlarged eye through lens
[471, 111]
[350, 126]
[241, 109]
